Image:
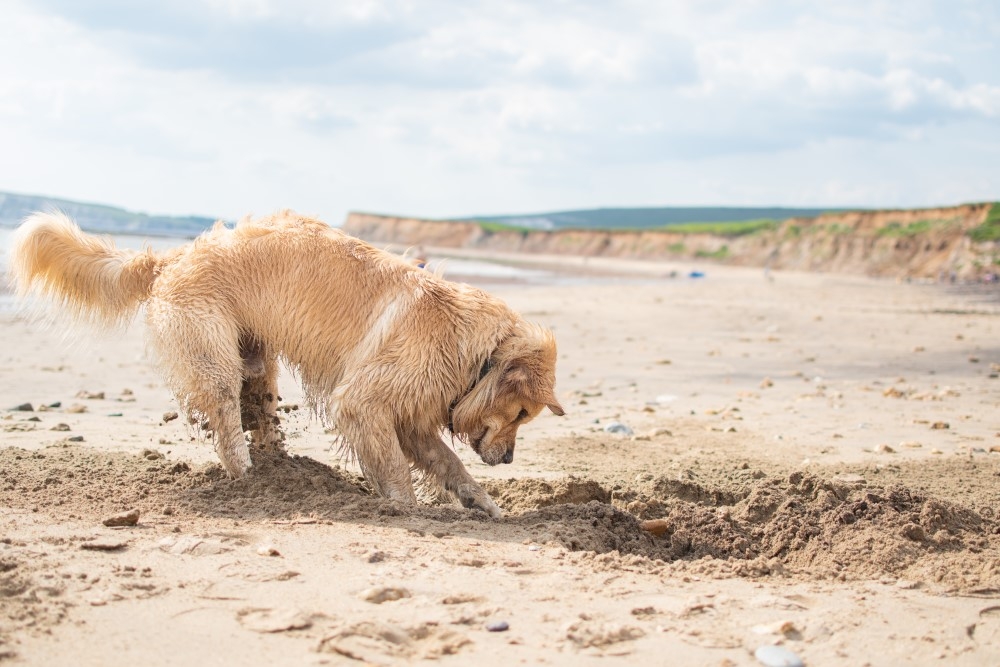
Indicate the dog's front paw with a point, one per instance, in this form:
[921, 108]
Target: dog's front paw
[472, 495]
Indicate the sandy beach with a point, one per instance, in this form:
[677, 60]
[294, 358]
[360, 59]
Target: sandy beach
[818, 456]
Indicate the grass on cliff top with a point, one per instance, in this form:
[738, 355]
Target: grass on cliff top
[912, 229]
[736, 228]
[990, 229]
[493, 227]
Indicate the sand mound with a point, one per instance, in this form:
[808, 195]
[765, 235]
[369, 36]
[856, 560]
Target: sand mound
[828, 527]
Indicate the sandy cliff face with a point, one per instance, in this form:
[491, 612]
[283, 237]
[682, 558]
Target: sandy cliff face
[917, 243]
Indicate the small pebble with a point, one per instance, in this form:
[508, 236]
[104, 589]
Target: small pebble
[618, 428]
[75, 438]
[777, 656]
[24, 407]
[90, 395]
[169, 416]
[384, 594]
[497, 626]
[103, 545]
[60, 427]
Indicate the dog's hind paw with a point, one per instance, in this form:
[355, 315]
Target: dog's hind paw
[473, 496]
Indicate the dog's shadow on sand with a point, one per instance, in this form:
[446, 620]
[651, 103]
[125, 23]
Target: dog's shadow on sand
[291, 487]
[88, 483]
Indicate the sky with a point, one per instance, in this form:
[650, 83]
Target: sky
[443, 109]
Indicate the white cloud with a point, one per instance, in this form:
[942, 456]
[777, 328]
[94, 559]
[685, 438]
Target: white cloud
[445, 108]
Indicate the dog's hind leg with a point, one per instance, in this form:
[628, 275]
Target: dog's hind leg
[441, 465]
[230, 443]
[200, 356]
[259, 395]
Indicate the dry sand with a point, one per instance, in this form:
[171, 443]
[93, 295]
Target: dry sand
[815, 452]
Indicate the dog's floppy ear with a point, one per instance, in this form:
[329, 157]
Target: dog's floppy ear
[521, 380]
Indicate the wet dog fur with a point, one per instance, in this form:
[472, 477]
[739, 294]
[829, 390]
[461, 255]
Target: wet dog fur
[391, 355]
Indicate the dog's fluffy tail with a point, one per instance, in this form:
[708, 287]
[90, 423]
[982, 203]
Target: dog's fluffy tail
[87, 275]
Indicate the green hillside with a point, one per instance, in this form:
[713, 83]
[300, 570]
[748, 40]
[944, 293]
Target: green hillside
[99, 218]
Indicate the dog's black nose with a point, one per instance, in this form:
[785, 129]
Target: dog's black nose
[509, 456]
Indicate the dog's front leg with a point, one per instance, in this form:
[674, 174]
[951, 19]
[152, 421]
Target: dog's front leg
[382, 461]
[441, 464]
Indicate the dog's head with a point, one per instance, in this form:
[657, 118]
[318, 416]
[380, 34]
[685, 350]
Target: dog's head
[519, 384]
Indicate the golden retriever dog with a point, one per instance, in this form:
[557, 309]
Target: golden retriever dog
[389, 354]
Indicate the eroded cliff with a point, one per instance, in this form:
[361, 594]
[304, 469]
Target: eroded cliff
[906, 243]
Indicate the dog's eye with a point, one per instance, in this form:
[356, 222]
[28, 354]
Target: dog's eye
[523, 414]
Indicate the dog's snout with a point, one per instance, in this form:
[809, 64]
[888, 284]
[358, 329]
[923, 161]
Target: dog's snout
[508, 456]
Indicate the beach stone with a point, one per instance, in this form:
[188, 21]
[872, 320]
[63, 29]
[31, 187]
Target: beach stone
[497, 626]
[655, 526]
[23, 407]
[777, 656]
[129, 518]
[617, 428]
[268, 550]
[103, 545]
[169, 416]
[60, 427]
[382, 594]
[90, 395]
